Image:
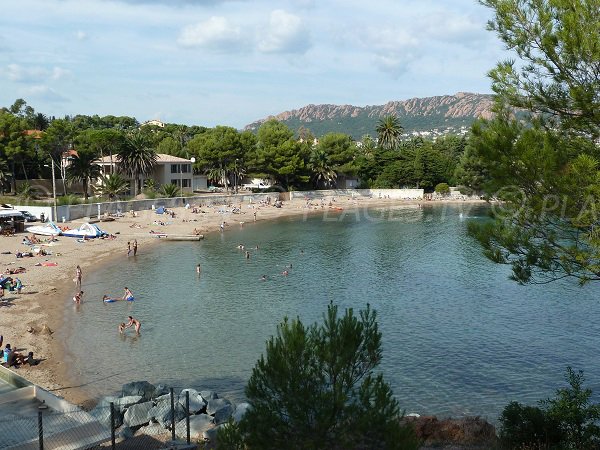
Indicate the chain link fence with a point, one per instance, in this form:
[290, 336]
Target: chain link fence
[189, 419]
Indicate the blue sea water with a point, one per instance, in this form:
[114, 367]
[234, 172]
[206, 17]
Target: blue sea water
[459, 337]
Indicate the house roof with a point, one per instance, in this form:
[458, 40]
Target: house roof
[161, 158]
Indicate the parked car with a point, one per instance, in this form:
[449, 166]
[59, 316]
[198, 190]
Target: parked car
[29, 217]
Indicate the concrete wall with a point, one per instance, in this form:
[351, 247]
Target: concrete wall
[93, 210]
[407, 194]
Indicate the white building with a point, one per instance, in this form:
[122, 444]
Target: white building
[168, 169]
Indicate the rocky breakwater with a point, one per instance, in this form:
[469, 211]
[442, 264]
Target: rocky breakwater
[145, 409]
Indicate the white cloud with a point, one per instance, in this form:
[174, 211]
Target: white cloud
[34, 74]
[16, 72]
[286, 33]
[59, 73]
[392, 49]
[216, 33]
[81, 35]
[43, 92]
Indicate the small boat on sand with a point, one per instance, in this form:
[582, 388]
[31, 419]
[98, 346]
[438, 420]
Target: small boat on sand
[87, 230]
[48, 229]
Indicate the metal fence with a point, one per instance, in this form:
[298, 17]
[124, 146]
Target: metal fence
[125, 423]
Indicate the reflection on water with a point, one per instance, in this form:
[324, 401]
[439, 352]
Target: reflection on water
[459, 337]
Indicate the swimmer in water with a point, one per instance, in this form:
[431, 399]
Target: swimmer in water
[136, 324]
[107, 299]
[285, 272]
[77, 297]
[263, 278]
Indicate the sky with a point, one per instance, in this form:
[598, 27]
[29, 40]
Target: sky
[231, 62]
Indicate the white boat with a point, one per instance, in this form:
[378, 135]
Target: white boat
[87, 230]
[48, 229]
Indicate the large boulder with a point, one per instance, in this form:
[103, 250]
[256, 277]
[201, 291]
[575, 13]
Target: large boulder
[137, 414]
[223, 414]
[143, 388]
[240, 411]
[161, 389]
[198, 425]
[102, 414]
[197, 403]
[125, 402]
[208, 395]
[215, 404]
[162, 413]
[124, 433]
[153, 429]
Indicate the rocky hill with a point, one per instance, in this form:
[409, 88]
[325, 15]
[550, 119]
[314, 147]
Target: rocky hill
[445, 112]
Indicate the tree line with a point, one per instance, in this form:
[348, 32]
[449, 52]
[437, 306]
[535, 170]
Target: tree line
[29, 141]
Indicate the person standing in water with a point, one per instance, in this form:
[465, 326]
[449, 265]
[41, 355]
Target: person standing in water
[134, 247]
[128, 295]
[198, 269]
[136, 324]
[78, 276]
[77, 298]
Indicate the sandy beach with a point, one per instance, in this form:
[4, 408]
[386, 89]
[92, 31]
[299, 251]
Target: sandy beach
[29, 321]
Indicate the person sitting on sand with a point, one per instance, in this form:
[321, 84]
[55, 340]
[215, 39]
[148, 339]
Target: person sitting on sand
[136, 324]
[128, 295]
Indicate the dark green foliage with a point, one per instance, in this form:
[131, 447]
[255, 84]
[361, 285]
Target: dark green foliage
[545, 166]
[170, 190]
[315, 388]
[568, 421]
[442, 188]
[136, 158]
[527, 426]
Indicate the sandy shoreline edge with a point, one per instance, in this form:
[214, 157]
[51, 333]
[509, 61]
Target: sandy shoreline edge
[48, 290]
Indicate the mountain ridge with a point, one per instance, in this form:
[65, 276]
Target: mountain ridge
[418, 114]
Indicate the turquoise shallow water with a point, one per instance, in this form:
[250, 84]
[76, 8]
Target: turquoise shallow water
[459, 337]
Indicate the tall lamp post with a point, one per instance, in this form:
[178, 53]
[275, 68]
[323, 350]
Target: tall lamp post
[55, 213]
[235, 176]
[192, 160]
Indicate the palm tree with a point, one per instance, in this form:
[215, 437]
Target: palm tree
[83, 169]
[322, 173]
[170, 190]
[136, 158]
[389, 131]
[111, 185]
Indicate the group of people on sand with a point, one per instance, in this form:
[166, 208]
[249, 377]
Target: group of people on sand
[11, 358]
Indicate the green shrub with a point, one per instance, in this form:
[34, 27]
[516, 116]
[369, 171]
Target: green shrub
[442, 188]
[527, 426]
[568, 421]
[26, 192]
[69, 199]
[316, 388]
[170, 190]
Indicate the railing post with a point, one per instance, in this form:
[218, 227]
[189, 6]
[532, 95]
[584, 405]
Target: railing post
[40, 431]
[112, 426]
[172, 414]
[187, 415]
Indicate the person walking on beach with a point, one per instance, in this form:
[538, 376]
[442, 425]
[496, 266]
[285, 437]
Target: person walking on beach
[78, 276]
[135, 247]
[255, 216]
[136, 324]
